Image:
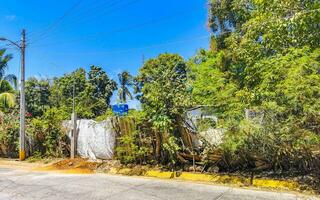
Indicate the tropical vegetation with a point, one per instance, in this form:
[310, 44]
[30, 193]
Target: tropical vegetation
[264, 59]
[125, 81]
[7, 82]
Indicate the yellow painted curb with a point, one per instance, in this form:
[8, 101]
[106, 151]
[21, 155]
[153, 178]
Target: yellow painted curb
[213, 178]
[159, 174]
[291, 185]
[239, 181]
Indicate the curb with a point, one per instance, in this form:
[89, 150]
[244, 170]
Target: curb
[213, 179]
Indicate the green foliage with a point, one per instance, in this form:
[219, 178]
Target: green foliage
[285, 89]
[129, 150]
[106, 115]
[258, 29]
[289, 81]
[264, 57]
[103, 88]
[125, 80]
[213, 85]
[37, 96]
[9, 134]
[135, 144]
[92, 93]
[47, 135]
[270, 24]
[281, 147]
[48, 103]
[205, 124]
[171, 146]
[7, 94]
[162, 82]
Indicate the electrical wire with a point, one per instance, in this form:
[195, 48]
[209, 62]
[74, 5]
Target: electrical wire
[143, 48]
[83, 17]
[120, 30]
[58, 21]
[95, 10]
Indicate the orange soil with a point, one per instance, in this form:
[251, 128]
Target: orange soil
[77, 165]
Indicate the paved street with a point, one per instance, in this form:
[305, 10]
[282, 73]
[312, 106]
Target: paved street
[17, 184]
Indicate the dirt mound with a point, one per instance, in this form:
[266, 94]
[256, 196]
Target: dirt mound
[77, 165]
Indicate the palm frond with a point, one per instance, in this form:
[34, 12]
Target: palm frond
[128, 93]
[7, 99]
[5, 86]
[120, 94]
[2, 52]
[4, 59]
[12, 79]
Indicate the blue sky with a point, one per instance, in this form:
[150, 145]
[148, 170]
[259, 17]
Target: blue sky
[113, 34]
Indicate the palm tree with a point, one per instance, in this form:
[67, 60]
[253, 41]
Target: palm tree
[7, 82]
[125, 79]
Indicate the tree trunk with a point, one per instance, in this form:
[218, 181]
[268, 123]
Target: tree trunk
[158, 145]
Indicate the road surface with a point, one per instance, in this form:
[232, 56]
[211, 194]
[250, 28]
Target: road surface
[24, 185]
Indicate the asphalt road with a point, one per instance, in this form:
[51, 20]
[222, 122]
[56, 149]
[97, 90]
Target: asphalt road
[17, 184]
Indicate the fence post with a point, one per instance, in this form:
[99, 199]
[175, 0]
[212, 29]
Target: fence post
[73, 149]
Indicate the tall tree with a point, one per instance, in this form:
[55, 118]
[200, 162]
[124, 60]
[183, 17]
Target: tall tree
[125, 80]
[248, 31]
[103, 85]
[162, 82]
[93, 91]
[251, 30]
[37, 96]
[7, 96]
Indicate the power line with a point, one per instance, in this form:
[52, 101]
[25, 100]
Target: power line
[73, 8]
[96, 9]
[83, 17]
[124, 29]
[107, 12]
[134, 49]
[143, 48]
[59, 20]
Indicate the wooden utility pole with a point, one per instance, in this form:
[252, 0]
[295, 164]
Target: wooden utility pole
[73, 135]
[22, 48]
[22, 150]
[73, 149]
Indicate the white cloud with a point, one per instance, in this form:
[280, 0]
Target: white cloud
[10, 17]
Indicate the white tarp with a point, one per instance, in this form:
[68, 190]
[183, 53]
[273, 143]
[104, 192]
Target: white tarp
[95, 140]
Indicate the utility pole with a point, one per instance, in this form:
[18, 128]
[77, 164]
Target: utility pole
[22, 151]
[22, 48]
[74, 124]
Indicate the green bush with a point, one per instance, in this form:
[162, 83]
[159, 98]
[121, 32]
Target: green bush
[47, 134]
[135, 144]
[273, 145]
[9, 134]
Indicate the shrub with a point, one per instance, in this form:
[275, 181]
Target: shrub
[9, 134]
[134, 145]
[272, 145]
[47, 135]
